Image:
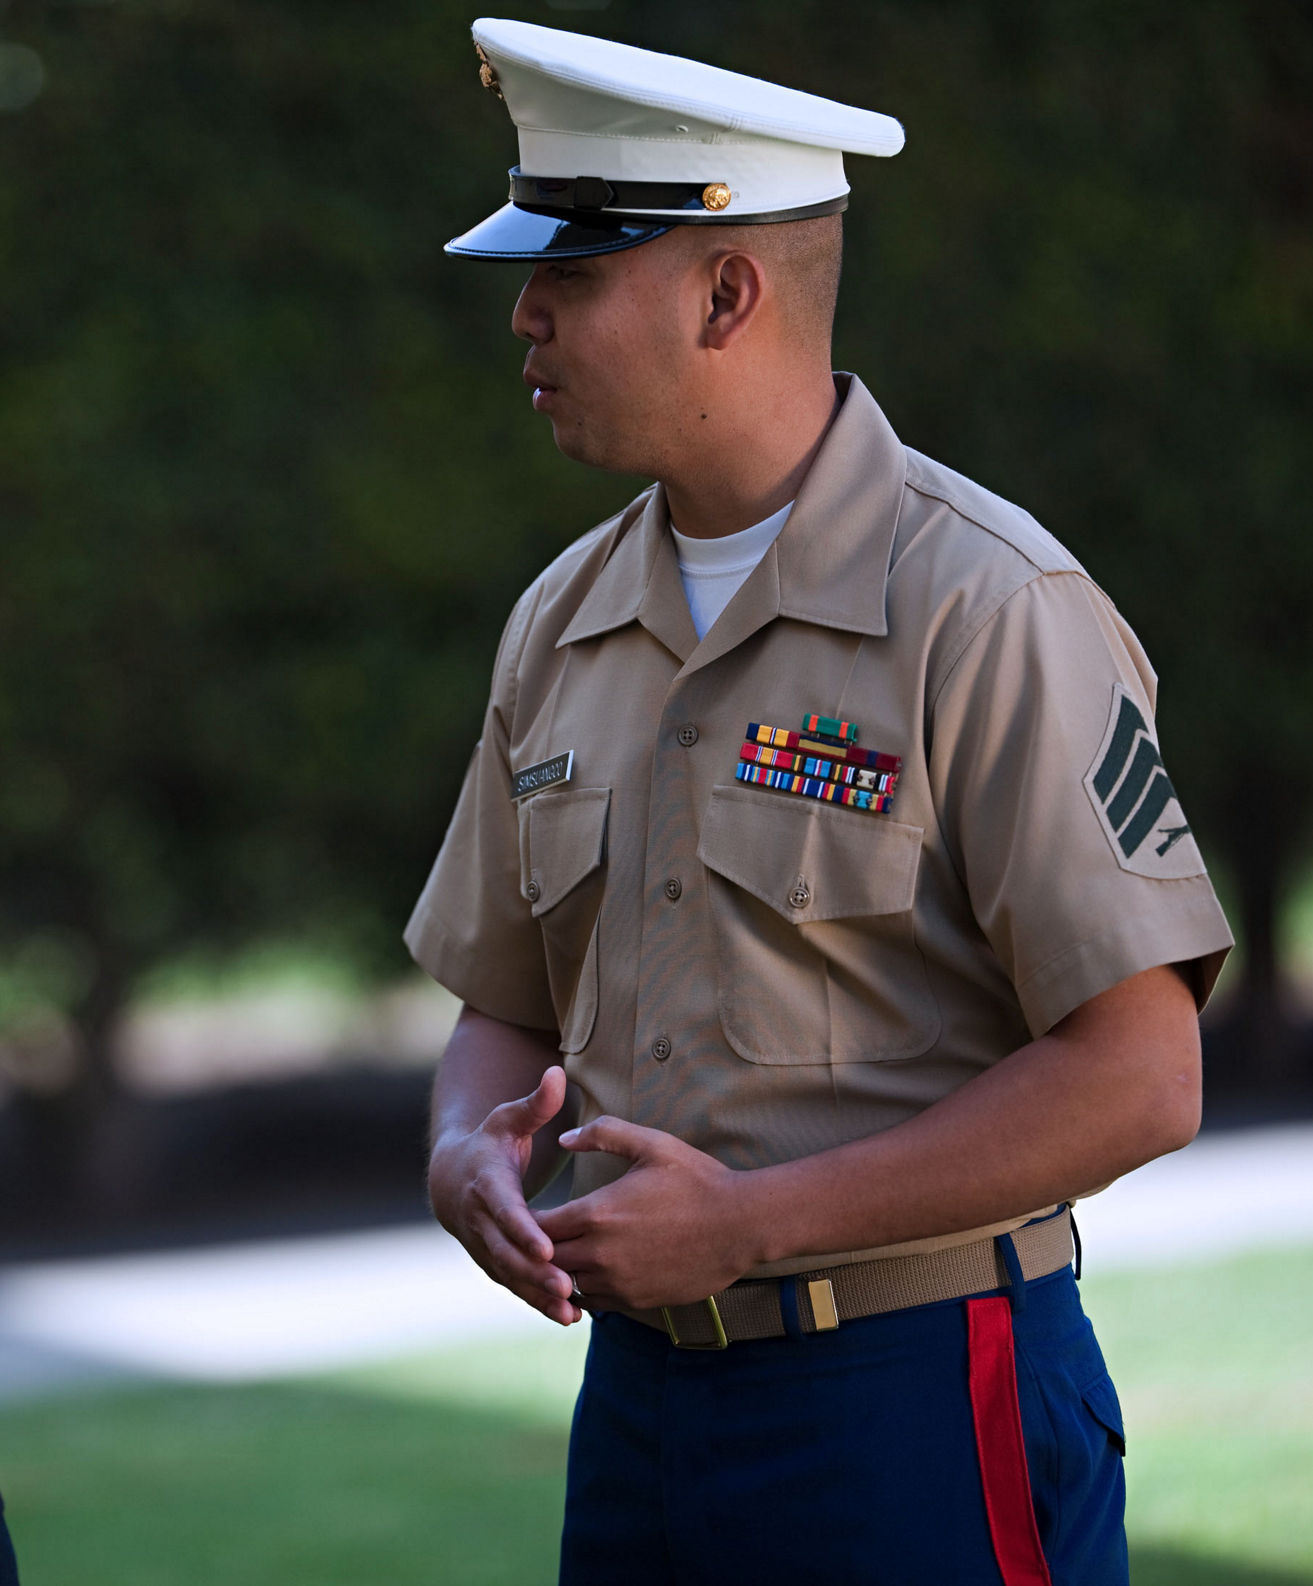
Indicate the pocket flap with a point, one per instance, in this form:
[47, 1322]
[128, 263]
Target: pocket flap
[1101, 1401]
[807, 860]
[563, 838]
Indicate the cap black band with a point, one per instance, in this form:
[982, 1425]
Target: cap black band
[589, 194]
[590, 200]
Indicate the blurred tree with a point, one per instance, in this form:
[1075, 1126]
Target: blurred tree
[267, 496]
[1101, 251]
[259, 533]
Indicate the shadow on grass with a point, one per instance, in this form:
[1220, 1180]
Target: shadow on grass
[1158, 1565]
[282, 1485]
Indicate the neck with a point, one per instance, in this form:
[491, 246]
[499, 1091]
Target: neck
[750, 458]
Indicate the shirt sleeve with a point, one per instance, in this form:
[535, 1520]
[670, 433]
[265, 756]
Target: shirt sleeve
[1062, 819]
[472, 928]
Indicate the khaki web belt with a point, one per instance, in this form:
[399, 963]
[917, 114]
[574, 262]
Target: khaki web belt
[751, 1308]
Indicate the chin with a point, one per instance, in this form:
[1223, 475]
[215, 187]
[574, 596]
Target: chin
[580, 445]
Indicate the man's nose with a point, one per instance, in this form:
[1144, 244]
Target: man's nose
[531, 318]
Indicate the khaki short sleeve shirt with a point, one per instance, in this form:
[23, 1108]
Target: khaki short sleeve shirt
[767, 975]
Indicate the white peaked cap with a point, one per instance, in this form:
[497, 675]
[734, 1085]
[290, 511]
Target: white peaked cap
[618, 144]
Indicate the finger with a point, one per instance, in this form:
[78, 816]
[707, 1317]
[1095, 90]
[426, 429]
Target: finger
[519, 1225]
[615, 1136]
[598, 1272]
[531, 1245]
[529, 1113]
[500, 1196]
[563, 1312]
[597, 1294]
[559, 1303]
[585, 1264]
[509, 1265]
[572, 1220]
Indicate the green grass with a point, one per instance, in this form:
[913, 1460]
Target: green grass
[1214, 1365]
[447, 1470]
[448, 1467]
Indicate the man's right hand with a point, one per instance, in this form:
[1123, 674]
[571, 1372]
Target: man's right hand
[476, 1185]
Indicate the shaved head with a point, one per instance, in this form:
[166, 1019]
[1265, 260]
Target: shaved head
[802, 259]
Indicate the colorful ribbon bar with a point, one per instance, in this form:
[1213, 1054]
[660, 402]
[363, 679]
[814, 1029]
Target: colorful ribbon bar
[816, 766]
[843, 732]
[814, 788]
[781, 738]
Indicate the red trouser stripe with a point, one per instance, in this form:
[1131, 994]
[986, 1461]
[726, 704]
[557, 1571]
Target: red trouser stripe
[997, 1416]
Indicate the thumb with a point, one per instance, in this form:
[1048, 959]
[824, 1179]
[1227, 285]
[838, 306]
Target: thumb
[615, 1136]
[531, 1112]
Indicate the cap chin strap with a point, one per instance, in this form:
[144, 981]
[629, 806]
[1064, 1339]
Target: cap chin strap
[594, 193]
[591, 200]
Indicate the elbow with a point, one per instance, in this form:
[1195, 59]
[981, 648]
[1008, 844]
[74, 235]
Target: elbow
[1176, 1101]
[1180, 1123]
[1162, 1040]
[1138, 1043]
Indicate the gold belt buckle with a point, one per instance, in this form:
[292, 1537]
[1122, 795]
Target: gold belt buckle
[719, 1342]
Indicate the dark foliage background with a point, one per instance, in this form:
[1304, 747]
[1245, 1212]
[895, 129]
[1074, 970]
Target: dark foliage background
[268, 483]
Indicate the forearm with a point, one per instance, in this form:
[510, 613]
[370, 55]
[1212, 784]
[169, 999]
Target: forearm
[1107, 1090]
[488, 1062]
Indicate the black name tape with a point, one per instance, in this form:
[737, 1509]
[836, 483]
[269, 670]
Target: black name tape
[547, 773]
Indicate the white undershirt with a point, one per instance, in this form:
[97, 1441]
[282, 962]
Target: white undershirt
[714, 570]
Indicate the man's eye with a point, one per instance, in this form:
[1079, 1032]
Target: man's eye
[561, 272]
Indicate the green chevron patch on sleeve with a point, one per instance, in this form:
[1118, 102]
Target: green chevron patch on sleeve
[1134, 799]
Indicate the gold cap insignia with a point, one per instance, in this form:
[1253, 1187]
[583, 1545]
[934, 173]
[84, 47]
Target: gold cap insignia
[487, 76]
[716, 196]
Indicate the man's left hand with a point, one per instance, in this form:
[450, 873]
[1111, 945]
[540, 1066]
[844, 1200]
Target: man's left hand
[670, 1232]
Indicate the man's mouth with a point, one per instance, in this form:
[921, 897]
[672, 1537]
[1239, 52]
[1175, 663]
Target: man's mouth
[536, 377]
[543, 389]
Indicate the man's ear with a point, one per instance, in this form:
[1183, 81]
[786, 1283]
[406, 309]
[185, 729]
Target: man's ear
[738, 284]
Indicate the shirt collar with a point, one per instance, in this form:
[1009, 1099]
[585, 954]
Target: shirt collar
[829, 566]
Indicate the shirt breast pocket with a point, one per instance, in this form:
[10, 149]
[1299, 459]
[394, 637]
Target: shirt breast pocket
[812, 908]
[563, 875]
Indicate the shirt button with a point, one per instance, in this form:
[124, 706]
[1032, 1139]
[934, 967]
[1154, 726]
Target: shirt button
[661, 1049]
[673, 888]
[801, 896]
[688, 735]
[533, 892]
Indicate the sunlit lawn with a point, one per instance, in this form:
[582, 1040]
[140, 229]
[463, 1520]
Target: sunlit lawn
[448, 1468]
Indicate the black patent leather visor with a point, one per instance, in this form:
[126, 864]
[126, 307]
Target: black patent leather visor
[517, 233]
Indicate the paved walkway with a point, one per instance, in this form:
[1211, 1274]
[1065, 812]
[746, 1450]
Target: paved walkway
[257, 1310]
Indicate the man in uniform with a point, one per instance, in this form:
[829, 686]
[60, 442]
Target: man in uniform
[819, 868]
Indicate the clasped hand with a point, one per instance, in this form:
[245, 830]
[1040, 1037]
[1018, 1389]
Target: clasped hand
[672, 1231]
[668, 1233]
